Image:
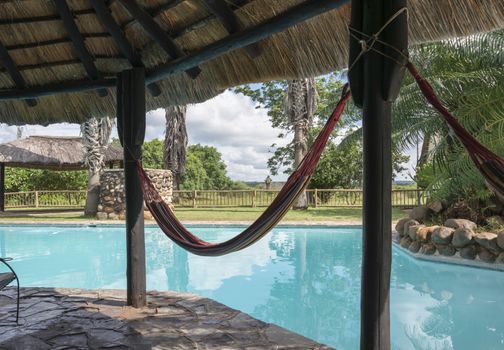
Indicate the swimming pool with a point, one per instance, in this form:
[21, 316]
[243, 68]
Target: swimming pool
[304, 279]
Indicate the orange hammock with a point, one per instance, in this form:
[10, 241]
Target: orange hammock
[295, 185]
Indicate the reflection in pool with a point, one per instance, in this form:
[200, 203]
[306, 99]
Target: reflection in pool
[304, 279]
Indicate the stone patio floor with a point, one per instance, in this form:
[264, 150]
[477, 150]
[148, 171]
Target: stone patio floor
[98, 319]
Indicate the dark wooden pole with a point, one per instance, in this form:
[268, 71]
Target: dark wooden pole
[131, 129]
[375, 82]
[2, 186]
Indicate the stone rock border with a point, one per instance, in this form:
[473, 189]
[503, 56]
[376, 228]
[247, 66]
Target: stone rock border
[455, 242]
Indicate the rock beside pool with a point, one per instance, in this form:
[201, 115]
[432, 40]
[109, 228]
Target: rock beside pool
[462, 237]
[460, 223]
[442, 235]
[412, 231]
[405, 242]
[500, 259]
[407, 224]
[500, 240]
[400, 225]
[488, 240]
[485, 255]
[446, 250]
[428, 249]
[424, 234]
[468, 252]
[414, 247]
[419, 213]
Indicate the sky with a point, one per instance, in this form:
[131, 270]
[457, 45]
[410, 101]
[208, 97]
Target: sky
[230, 122]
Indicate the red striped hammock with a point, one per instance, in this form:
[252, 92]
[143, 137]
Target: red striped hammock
[295, 185]
[488, 163]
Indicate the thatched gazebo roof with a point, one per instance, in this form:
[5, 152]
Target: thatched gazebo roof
[56, 43]
[49, 152]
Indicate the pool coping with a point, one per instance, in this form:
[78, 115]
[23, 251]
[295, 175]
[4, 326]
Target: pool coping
[450, 260]
[287, 224]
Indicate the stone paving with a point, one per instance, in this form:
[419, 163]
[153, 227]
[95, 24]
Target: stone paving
[98, 319]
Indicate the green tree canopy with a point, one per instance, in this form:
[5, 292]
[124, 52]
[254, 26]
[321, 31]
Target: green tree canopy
[21, 179]
[468, 76]
[340, 165]
[205, 169]
[213, 165]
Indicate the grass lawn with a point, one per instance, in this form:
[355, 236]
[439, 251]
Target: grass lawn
[215, 214]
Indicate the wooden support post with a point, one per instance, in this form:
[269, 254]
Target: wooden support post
[315, 200]
[194, 199]
[131, 130]
[375, 82]
[36, 199]
[2, 187]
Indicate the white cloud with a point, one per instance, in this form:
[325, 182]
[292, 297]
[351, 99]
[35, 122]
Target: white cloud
[230, 122]
[8, 133]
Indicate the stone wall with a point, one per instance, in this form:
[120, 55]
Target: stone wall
[457, 238]
[112, 204]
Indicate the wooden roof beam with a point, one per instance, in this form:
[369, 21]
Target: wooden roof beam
[14, 73]
[108, 21]
[78, 42]
[36, 44]
[158, 34]
[299, 13]
[231, 22]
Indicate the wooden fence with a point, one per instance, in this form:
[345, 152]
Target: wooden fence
[45, 199]
[316, 198]
[216, 199]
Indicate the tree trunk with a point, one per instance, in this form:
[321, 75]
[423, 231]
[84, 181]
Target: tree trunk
[93, 192]
[424, 152]
[95, 136]
[299, 152]
[175, 143]
[300, 105]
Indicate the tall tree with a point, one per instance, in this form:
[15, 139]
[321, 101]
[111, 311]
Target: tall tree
[175, 143]
[95, 135]
[299, 107]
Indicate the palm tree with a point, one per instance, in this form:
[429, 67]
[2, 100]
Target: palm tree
[468, 76]
[175, 143]
[299, 106]
[95, 135]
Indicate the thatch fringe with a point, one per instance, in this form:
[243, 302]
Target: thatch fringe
[312, 48]
[49, 152]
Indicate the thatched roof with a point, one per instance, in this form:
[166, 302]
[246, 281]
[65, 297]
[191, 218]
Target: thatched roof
[39, 44]
[49, 152]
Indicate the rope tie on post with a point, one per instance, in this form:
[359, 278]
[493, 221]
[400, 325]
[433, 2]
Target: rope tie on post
[368, 45]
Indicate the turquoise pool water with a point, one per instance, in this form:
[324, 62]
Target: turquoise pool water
[304, 279]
